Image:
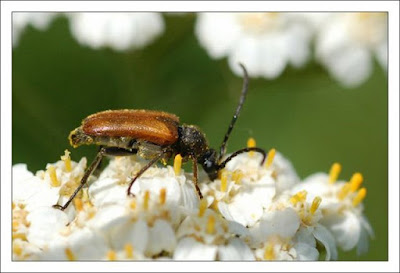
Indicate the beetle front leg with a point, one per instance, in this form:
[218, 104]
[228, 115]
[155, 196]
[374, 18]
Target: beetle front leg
[195, 178]
[85, 177]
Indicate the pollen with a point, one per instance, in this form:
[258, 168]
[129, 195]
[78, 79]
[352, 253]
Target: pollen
[202, 207]
[344, 191]
[270, 157]
[53, 177]
[359, 197]
[146, 200]
[128, 248]
[111, 255]
[70, 255]
[251, 143]
[237, 176]
[67, 160]
[269, 253]
[315, 204]
[177, 164]
[299, 197]
[132, 205]
[334, 172]
[210, 228]
[224, 181]
[355, 182]
[163, 196]
[78, 204]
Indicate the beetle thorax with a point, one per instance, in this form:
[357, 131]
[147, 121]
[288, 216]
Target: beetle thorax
[192, 142]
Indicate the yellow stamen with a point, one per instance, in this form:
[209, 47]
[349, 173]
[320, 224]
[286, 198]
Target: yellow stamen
[334, 172]
[344, 191]
[53, 177]
[146, 200]
[15, 225]
[298, 197]
[13, 205]
[128, 251]
[21, 236]
[67, 160]
[270, 157]
[355, 182]
[359, 197]
[210, 229]
[70, 255]
[177, 164]
[237, 176]
[224, 181]
[202, 207]
[111, 255]
[17, 249]
[315, 204]
[163, 196]
[78, 204]
[269, 253]
[21, 206]
[251, 143]
[133, 204]
[214, 205]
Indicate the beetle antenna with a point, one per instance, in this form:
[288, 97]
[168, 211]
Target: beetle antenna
[244, 150]
[236, 115]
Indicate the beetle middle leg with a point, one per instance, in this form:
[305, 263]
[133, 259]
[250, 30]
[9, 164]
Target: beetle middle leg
[142, 170]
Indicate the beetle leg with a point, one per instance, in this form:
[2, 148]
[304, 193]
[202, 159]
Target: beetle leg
[148, 165]
[85, 177]
[195, 178]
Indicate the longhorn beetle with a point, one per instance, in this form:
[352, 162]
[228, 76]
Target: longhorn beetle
[153, 135]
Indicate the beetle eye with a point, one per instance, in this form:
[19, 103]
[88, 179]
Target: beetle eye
[208, 164]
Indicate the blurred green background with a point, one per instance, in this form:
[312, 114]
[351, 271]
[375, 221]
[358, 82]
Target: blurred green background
[304, 114]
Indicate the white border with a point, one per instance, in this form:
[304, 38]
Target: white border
[6, 47]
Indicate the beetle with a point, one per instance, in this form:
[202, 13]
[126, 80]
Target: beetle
[153, 135]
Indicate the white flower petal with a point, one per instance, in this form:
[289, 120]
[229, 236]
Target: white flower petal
[190, 249]
[161, 237]
[107, 191]
[235, 250]
[121, 31]
[217, 32]
[125, 231]
[241, 210]
[305, 252]
[45, 225]
[284, 223]
[346, 229]
[325, 237]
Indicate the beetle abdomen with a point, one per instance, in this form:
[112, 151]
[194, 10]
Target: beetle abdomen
[157, 127]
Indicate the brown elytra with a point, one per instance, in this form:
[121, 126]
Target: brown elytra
[157, 127]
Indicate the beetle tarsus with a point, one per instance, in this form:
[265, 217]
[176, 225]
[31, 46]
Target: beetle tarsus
[57, 206]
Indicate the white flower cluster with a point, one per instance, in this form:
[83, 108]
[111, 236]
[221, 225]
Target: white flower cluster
[266, 43]
[251, 212]
[345, 43]
[120, 31]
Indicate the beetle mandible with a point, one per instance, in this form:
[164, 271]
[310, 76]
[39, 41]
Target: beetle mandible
[153, 135]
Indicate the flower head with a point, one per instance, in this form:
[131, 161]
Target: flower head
[347, 42]
[120, 31]
[264, 42]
